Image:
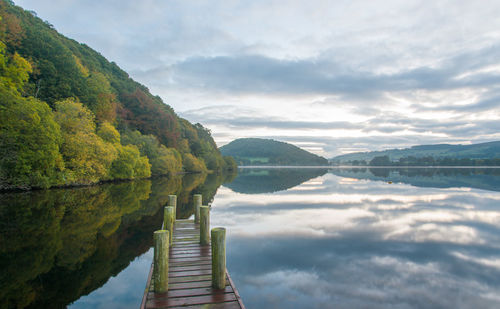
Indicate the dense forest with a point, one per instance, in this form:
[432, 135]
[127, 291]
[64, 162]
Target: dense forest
[258, 151]
[70, 117]
[483, 154]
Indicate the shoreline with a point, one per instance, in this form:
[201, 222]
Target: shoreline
[72, 186]
[364, 166]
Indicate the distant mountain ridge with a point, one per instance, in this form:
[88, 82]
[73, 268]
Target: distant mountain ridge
[258, 151]
[482, 151]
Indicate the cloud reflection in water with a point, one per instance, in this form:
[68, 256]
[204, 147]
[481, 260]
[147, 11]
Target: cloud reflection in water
[335, 242]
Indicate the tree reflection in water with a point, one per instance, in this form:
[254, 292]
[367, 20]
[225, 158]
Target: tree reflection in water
[60, 244]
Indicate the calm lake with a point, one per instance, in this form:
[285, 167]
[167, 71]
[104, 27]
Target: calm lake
[297, 238]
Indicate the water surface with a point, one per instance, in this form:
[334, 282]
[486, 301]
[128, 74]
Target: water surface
[361, 238]
[297, 238]
[87, 247]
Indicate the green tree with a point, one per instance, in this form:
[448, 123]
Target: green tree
[29, 143]
[381, 161]
[88, 157]
[130, 164]
[14, 70]
[192, 164]
[108, 133]
[230, 163]
[163, 160]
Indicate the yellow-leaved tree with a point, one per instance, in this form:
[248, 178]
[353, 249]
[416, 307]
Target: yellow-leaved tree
[87, 156]
[14, 70]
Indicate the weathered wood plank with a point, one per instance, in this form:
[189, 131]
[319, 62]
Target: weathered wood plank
[189, 263]
[191, 292]
[226, 305]
[190, 278]
[190, 285]
[188, 259]
[186, 301]
[191, 250]
[199, 272]
[192, 267]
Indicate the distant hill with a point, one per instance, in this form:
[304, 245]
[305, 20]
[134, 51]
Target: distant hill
[257, 151]
[440, 153]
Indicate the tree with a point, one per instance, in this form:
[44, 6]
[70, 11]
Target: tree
[87, 156]
[108, 133]
[381, 161]
[130, 164]
[29, 143]
[14, 70]
[192, 164]
[230, 163]
[163, 160]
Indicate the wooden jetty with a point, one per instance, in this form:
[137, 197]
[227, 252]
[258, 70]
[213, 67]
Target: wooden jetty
[190, 275]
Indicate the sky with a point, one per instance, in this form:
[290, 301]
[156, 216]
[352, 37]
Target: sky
[332, 77]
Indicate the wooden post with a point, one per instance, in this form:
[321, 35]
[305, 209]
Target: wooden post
[218, 258]
[161, 261]
[168, 222]
[172, 201]
[197, 199]
[204, 225]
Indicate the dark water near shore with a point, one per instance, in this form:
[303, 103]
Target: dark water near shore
[90, 245]
[297, 238]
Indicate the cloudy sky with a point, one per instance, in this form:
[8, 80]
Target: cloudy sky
[330, 76]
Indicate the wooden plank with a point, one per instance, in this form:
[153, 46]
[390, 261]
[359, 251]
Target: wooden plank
[176, 248]
[144, 297]
[198, 272]
[226, 305]
[190, 263]
[190, 250]
[191, 292]
[178, 253]
[190, 255]
[193, 267]
[186, 301]
[238, 297]
[190, 278]
[191, 259]
[191, 285]
[187, 242]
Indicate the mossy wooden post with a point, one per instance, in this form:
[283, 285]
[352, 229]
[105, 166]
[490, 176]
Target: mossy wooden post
[197, 199]
[161, 261]
[172, 201]
[168, 222]
[204, 225]
[218, 257]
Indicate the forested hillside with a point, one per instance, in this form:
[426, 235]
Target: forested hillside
[440, 154]
[68, 116]
[258, 151]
